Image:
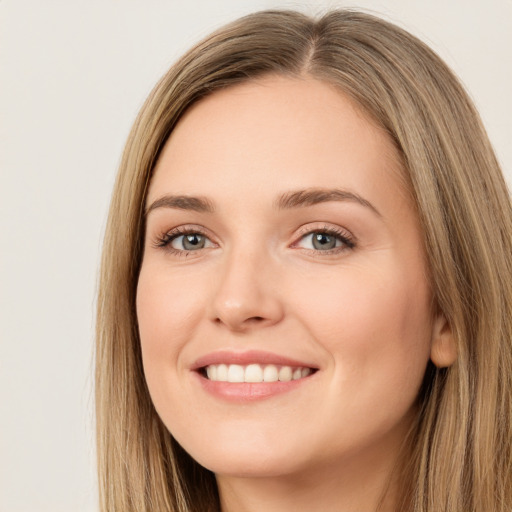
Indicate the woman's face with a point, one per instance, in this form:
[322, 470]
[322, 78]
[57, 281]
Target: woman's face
[283, 258]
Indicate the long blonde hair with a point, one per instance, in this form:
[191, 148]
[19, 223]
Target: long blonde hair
[460, 455]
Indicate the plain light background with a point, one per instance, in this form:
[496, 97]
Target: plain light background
[73, 75]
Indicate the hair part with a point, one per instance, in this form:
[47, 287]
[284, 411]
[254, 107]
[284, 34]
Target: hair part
[459, 455]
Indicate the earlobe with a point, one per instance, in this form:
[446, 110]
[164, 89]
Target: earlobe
[443, 351]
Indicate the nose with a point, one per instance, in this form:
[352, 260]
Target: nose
[247, 294]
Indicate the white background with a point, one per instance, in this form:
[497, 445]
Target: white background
[72, 76]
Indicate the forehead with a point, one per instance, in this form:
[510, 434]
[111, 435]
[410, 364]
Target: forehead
[276, 132]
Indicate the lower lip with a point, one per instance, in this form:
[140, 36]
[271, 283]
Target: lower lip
[248, 391]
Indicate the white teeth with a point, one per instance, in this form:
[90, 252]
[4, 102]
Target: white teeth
[285, 374]
[211, 371]
[305, 372]
[222, 373]
[254, 373]
[235, 373]
[270, 373]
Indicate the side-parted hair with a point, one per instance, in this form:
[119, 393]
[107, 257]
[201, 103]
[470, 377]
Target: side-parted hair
[459, 457]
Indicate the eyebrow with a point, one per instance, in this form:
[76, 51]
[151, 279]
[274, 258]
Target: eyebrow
[181, 202]
[288, 200]
[312, 196]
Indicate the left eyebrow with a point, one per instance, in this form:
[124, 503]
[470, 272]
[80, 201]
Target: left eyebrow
[312, 196]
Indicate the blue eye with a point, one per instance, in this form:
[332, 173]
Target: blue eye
[189, 242]
[183, 241]
[325, 240]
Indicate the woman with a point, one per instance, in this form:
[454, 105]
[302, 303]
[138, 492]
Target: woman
[306, 292]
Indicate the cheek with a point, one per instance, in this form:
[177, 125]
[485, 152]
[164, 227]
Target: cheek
[375, 329]
[168, 315]
[374, 322]
[166, 310]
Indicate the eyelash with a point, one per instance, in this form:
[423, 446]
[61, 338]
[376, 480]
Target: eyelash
[165, 239]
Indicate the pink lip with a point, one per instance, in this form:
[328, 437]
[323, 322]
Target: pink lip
[248, 357]
[246, 391]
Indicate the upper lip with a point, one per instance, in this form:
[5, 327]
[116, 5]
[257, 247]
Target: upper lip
[248, 357]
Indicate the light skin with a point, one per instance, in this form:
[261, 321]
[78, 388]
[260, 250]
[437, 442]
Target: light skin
[277, 221]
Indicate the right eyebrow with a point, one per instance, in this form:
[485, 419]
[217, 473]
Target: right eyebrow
[182, 202]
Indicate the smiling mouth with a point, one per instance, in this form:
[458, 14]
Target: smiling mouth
[254, 373]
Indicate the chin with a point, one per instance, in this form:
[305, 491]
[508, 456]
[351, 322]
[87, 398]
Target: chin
[247, 459]
[243, 467]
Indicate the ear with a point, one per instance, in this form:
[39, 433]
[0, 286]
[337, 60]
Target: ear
[443, 351]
